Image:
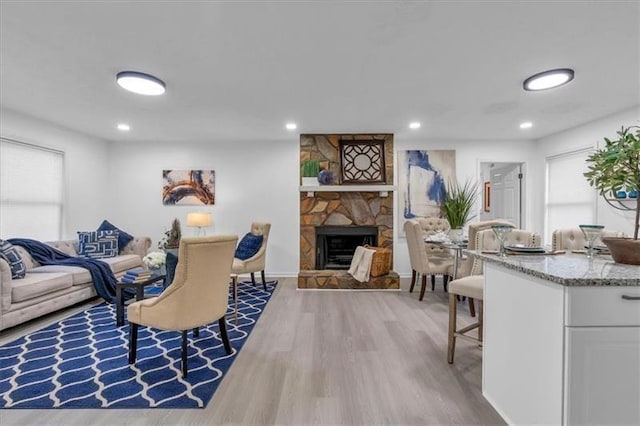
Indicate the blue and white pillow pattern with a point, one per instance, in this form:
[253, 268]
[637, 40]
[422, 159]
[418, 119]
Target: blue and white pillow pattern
[9, 253]
[248, 246]
[98, 244]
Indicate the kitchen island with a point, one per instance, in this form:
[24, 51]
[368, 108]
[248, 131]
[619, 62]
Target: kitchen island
[561, 339]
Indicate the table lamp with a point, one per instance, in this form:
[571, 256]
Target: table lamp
[199, 220]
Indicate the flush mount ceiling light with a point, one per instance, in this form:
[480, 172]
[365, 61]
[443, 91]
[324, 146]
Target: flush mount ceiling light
[291, 126]
[140, 83]
[548, 79]
[124, 127]
[526, 125]
[414, 125]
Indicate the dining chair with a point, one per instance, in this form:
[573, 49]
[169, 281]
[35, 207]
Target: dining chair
[421, 262]
[430, 226]
[256, 262]
[197, 296]
[464, 265]
[472, 285]
[573, 238]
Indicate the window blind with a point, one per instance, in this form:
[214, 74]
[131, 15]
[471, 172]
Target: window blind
[31, 194]
[570, 201]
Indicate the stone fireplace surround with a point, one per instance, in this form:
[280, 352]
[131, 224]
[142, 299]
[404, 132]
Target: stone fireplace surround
[337, 208]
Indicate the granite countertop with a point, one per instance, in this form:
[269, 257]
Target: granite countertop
[570, 269]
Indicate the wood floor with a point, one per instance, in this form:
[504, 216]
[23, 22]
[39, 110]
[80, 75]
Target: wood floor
[325, 358]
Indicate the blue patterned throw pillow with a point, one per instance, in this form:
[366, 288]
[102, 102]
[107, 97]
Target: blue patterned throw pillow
[98, 244]
[124, 238]
[249, 246]
[9, 253]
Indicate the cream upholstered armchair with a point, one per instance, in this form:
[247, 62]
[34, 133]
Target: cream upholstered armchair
[197, 296]
[573, 238]
[421, 262]
[256, 262]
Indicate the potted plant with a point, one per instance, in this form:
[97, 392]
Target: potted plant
[310, 170]
[171, 240]
[457, 206]
[614, 167]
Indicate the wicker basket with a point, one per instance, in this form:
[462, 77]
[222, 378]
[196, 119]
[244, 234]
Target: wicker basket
[381, 262]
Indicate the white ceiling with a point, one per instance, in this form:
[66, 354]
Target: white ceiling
[240, 71]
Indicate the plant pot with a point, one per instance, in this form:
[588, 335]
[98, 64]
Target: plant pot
[310, 181]
[456, 235]
[624, 250]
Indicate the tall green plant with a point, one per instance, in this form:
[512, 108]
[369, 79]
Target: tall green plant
[617, 166]
[458, 203]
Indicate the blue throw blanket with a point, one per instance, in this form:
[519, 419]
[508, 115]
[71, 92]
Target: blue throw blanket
[103, 279]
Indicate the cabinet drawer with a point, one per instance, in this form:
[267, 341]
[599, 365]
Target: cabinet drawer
[602, 306]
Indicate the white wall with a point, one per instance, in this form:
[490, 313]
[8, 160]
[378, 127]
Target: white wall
[589, 135]
[85, 164]
[255, 181]
[469, 155]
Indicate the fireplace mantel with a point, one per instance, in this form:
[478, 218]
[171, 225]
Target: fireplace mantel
[382, 189]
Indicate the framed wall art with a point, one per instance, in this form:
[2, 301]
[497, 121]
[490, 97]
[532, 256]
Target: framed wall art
[486, 197]
[188, 187]
[362, 162]
[422, 182]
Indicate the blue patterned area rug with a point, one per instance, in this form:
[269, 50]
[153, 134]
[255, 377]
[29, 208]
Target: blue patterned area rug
[81, 362]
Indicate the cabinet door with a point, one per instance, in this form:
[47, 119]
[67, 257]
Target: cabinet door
[603, 375]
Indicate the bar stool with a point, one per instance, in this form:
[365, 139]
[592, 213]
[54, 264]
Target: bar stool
[471, 287]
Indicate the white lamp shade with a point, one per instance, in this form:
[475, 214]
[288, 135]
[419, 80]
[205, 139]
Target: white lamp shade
[199, 219]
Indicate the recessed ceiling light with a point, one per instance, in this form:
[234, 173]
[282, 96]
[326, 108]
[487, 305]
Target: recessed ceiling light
[414, 125]
[291, 126]
[526, 125]
[141, 83]
[124, 127]
[548, 79]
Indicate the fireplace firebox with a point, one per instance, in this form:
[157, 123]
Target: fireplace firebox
[335, 245]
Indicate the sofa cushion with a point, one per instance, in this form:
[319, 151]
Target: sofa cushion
[29, 263]
[124, 238]
[122, 262]
[34, 285]
[79, 275]
[69, 247]
[9, 253]
[98, 244]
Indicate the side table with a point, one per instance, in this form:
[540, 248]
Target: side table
[139, 294]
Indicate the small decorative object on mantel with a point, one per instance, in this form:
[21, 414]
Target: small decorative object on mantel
[326, 177]
[362, 162]
[310, 170]
[171, 240]
[615, 166]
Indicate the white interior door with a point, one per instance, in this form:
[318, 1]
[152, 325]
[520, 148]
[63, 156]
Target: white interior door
[506, 183]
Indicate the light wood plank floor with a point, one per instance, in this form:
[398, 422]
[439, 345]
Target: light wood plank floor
[325, 358]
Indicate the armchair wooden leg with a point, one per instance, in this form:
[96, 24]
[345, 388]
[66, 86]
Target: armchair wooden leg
[253, 279]
[223, 334]
[184, 353]
[413, 280]
[472, 308]
[133, 341]
[433, 283]
[451, 345]
[264, 281]
[424, 286]
[196, 332]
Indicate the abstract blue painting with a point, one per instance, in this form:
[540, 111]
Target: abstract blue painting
[423, 177]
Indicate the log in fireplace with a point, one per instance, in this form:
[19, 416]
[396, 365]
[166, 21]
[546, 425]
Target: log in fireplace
[335, 245]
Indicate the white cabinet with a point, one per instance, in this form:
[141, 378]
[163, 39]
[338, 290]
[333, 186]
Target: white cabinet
[603, 375]
[557, 354]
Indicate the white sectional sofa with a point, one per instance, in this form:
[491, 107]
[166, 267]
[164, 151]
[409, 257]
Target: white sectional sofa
[48, 288]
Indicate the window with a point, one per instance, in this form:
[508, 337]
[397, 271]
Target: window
[30, 191]
[570, 201]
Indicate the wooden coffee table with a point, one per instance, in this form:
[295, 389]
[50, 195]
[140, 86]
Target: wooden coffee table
[120, 286]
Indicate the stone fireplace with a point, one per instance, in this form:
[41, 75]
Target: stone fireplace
[335, 219]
